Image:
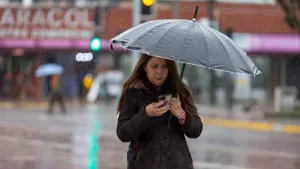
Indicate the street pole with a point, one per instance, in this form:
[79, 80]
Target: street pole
[136, 19]
[213, 78]
[175, 9]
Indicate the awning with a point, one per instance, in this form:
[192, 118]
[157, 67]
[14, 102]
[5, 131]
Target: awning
[53, 44]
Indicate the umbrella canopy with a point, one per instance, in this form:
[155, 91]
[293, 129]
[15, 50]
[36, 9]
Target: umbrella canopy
[187, 41]
[48, 70]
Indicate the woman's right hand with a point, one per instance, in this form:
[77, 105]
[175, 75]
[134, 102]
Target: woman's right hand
[156, 109]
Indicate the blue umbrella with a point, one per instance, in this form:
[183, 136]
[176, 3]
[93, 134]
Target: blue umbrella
[48, 70]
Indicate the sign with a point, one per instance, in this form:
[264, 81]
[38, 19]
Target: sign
[275, 43]
[46, 23]
[273, 2]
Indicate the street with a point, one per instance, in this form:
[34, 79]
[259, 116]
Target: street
[34, 140]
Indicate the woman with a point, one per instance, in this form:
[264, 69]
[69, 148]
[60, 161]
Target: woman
[55, 95]
[156, 132]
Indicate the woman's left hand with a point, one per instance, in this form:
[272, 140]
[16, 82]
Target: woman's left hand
[175, 107]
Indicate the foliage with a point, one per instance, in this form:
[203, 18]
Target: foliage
[291, 9]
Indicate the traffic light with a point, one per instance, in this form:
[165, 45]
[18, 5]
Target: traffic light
[95, 44]
[147, 7]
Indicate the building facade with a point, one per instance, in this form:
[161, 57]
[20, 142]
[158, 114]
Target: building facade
[59, 29]
[34, 32]
[259, 28]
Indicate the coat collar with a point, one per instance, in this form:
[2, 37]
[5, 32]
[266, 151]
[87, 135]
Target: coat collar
[144, 83]
[138, 84]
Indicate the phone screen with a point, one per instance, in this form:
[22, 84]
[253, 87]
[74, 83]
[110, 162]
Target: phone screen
[165, 98]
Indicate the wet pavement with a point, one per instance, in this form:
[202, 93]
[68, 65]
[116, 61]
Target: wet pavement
[85, 139]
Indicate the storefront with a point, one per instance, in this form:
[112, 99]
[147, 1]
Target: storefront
[277, 56]
[30, 37]
[17, 74]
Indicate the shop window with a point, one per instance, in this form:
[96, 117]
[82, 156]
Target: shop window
[261, 81]
[15, 1]
[20, 76]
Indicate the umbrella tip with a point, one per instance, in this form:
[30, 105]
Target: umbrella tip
[195, 14]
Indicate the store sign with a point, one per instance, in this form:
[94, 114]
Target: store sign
[249, 1]
[46, 23]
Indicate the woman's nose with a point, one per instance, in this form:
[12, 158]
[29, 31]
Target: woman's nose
[159, 71]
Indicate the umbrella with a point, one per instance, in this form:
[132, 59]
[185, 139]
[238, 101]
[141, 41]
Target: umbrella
[49, 69]
[188, 42]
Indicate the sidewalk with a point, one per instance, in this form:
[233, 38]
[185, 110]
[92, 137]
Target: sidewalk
[31, 105]
[253, 120]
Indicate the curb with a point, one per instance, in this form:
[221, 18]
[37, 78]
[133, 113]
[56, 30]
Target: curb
[27, 106]
[252, 125]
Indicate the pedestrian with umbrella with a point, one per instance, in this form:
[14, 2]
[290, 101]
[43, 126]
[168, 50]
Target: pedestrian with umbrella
[55, 95]
[154, 125]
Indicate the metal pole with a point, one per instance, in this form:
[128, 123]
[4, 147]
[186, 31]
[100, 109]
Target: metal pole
[213, 79]
[175, 9]
[211, 9]
[136, 19]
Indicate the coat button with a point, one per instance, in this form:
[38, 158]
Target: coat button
[167, 154]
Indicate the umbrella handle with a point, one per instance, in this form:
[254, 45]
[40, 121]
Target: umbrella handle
[181, 75]
[196, 11]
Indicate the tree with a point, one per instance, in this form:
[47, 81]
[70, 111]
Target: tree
[291, 8]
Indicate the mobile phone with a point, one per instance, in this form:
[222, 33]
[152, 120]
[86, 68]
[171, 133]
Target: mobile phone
[166, 98]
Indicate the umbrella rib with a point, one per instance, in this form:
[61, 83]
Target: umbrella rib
[168, 31]
[133, 41]
[223, 48]
[180, 46]
[205, 44]
[243, 59]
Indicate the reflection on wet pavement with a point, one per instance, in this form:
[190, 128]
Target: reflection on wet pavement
[66, 142]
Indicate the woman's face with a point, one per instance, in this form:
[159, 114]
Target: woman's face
[157, 71]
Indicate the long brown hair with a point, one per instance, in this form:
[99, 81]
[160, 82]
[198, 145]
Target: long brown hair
[176, 85]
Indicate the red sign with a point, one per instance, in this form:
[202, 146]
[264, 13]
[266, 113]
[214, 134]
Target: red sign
[46, 23]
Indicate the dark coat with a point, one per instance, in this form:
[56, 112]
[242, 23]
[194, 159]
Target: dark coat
[157, 142]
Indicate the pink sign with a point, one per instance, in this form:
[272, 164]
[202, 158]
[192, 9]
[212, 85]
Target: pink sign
[275, 43]
[53, 44]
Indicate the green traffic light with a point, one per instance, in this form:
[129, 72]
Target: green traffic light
[95, 44]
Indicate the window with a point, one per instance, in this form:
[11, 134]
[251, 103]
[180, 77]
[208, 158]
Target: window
[15, 1]
[53, 1]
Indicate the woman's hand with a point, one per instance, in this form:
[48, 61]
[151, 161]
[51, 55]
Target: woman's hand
[156, 109]
[175, 107]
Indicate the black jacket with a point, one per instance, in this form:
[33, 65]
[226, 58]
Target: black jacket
[159, 142]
